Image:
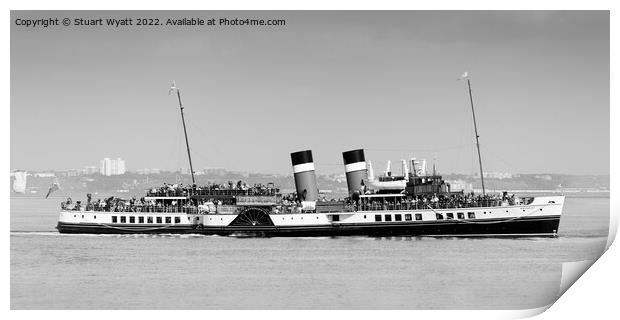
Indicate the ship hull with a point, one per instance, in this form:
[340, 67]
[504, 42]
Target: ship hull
[545, 226]
[539, 226]
[97, 228]
[539, 218]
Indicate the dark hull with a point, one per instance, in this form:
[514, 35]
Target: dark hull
[531, 226]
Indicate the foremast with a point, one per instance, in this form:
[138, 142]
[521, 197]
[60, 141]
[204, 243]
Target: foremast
[173, 87]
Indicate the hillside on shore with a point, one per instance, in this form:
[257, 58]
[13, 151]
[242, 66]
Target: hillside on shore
[135, 184]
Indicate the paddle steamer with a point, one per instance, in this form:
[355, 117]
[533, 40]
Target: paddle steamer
[413, 204]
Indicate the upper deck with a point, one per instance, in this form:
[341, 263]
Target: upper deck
[208, 191]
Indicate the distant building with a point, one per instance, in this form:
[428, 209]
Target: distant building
[89, 169]
[112, 167]
[106, 167]
[44, 174]
[19, 184]
[120, 166]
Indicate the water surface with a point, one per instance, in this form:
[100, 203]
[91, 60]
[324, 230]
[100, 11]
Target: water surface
[54, 271]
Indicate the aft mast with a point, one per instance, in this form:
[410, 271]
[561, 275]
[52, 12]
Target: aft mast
[173, 87]
[473, 114]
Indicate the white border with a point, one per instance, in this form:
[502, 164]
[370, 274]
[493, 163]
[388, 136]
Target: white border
[595, 294]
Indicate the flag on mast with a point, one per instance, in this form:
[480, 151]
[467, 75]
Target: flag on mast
[464, 76]
[53, 188]
[173, 87]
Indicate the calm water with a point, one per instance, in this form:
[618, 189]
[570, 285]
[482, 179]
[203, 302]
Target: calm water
[53, 271]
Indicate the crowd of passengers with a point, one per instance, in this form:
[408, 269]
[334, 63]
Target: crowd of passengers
[239, 187]
[455, 200]
[289, 202]
[114, 204]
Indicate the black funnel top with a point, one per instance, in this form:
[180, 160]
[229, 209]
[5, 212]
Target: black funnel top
[353, 156]
[301, 157]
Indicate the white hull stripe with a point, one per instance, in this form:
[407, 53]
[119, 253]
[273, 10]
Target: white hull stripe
[357, 166]
[303, 167]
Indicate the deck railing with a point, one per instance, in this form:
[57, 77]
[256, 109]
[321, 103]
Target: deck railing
[283, 209]
[134, 208]
[213, 192]
[378, 206]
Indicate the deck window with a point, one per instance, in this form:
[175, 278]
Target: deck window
[449, 216]
[336, 217]
[378, 217]
[438, 216]
[113, 219]
[168, 219]
[132, 219]
[460, 215]
[149, 219]
[398, 217]
[388, 217]
[418, 216]
[158, 219]
[123, 219]
[471, 215]
[177, 219]
[140, 219]
[407, 216]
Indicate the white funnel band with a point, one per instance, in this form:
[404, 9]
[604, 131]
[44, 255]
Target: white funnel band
[303, 167]
[357, 166]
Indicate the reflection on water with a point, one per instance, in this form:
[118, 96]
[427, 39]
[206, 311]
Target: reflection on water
[50, 270]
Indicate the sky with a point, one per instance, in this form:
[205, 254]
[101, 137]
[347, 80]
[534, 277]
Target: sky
[326, 81]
